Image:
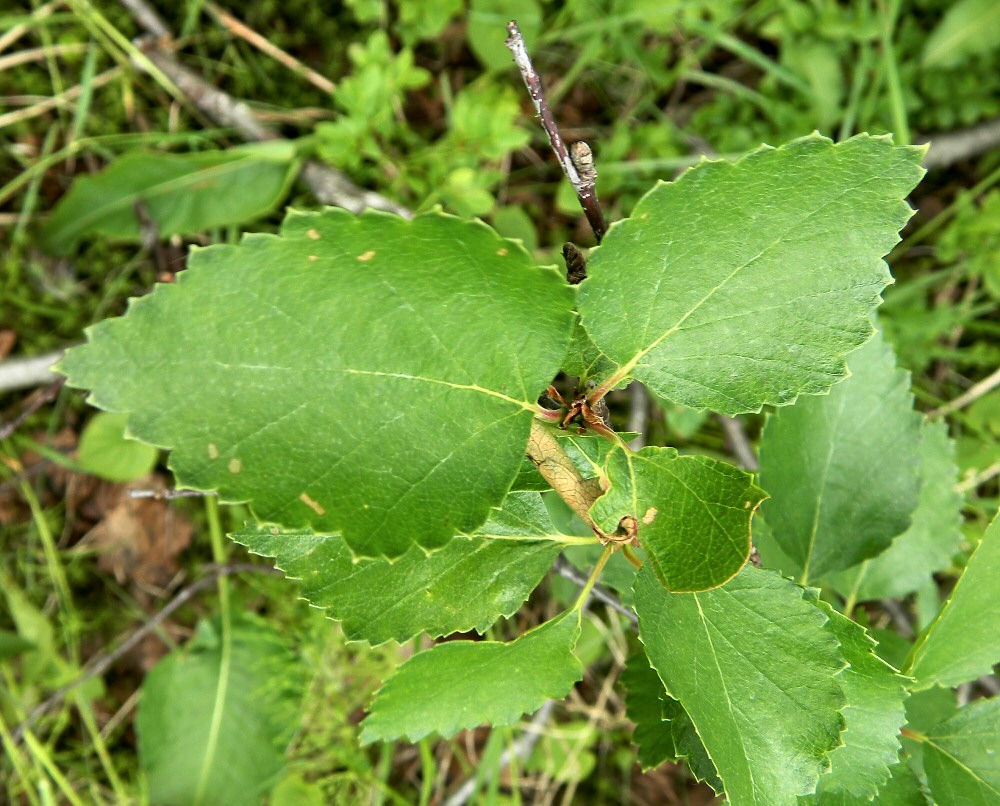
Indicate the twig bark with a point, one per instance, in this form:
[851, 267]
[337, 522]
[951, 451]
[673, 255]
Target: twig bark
[638, 414]
[565, 569]
[973, 393]
[947, 149]
[147, 18]
[738, 443]
[520, 750]
[23, 373]
[33, 404]
[582, 157]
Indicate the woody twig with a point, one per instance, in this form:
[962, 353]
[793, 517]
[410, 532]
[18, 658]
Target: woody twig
[577, 162]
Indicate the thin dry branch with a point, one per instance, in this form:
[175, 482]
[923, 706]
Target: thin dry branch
[581, 160]
[23, 373]
[738, 443]
[947, 149]
[147, 18]
[33, 404]
[327, 184]
[987, 384]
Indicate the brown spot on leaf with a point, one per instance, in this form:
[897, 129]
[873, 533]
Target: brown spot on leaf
[235, 465]
[314, 234]
[213, 451]
[313, 258]
[502, 252]
[313, 505]
[364, 257]
[650, 515]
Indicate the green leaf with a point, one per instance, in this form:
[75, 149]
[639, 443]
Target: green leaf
[644, 701]
[294, 790]
[925, 710]
[873, 716]
[563, 756]
[747, 283]
[933, 537]
[693, 513]
[462, 684]
[688, 744]
[968, 28]
[465, 586]
[12, 645]
[583, 360]
[963, 642]
[364, 375]
[755, 668]
[902, 789]
[485, 29]
[588, 451]
[839, 469]
[214, 721]
[106, 452]
[663, 729]
[182, 193]
[961, 757]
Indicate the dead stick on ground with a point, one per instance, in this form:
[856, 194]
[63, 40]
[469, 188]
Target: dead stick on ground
[987, 384]
[578, 167]
[327, 184]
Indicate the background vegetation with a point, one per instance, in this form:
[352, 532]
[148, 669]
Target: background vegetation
[419, 102]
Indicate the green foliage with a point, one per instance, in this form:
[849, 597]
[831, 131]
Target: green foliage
[453, 590]
[715, 311]
[369, 100]
[181, 193]
[960, 756]
[872, 718]
[932, 539]
[963, 643]
[645, 699]
[369, 393]
[757, 673]
[969, 27]
[215, 717]
[392, 315]
[702, 538]
[486, 22]
[371, 332]
[461, 684]
[839, 468]
[106, 451]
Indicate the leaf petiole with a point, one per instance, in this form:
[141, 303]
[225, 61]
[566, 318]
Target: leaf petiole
[594, 576]
[608, 384]
[630, 555]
